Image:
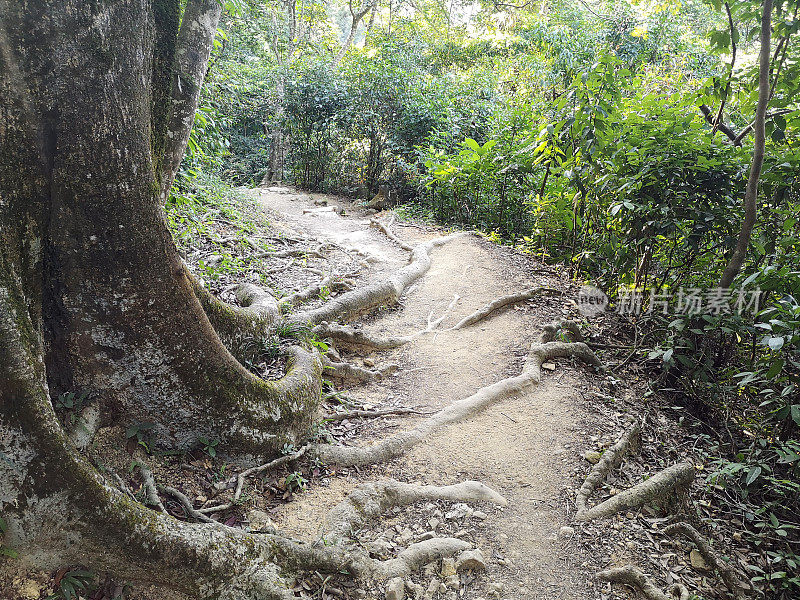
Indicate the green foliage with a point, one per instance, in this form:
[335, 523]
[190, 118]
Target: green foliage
[74, 584]
[141, 434]
[209, 446]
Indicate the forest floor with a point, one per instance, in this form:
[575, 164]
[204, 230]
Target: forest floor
[535, 449]
[527, 448]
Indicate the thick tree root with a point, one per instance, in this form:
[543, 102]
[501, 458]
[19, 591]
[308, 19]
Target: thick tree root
[351, 335]
[634, 577]
[610, 460]
[733, 581]
[258, 302]
[384, 292]
[661, 486]
[287, 302]
[346, 371]
[370, 500]
[531, 374]
[497, 304]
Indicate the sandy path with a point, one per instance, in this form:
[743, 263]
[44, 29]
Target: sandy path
[516, 447]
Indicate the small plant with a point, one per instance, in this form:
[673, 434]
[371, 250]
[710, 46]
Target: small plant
[72, 404]
[73, 584]
[141, 434]
[295, 481]
[209, 446]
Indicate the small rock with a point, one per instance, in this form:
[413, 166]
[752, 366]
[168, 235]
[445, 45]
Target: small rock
[592, 456]
[396, 589]
[453, 582]
[459, 511]
[368, 362]
[494, 589]
[448, 567]
[480, 515]
[630, 515]
[431, 569]
[566, 531]
[442, 588]
[428, 535]
[548, 366]
[470, 560]
[415, 590]
[259, 520]
[434, 523]
[320, 202]
[697, 560]
[433, 587]
[405, 537]
[380, 548]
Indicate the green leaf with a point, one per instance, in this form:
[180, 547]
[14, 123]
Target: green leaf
[796, 413]
[775, 343]
[472, 144]
[752, 475]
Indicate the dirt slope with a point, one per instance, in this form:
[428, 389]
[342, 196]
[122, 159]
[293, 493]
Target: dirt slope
[516, 447]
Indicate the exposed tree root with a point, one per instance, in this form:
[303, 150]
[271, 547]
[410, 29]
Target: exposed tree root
[388, 233]
[344, 371]
[498, 303]
[384, 292]
[663, 485]
[304, 294]
[610, 460]
[187, 505]
[351, 335]
[370, 414]
[238, 480]
[733, 581]
[332, 208]
[531, 374]
[634, 577]
[370, 500]
[150, 489]
[258, 302]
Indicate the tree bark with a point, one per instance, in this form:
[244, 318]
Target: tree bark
[195, 41]
[81, 144]
[751, 193]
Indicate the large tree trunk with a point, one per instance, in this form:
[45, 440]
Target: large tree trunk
[86, 121]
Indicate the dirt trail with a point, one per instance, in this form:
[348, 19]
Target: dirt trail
[516, 447]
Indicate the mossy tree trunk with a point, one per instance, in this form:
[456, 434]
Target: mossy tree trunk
[91, 127]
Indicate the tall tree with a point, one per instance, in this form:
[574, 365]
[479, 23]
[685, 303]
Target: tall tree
[95, 99]
[751, 192]
[105, 131]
